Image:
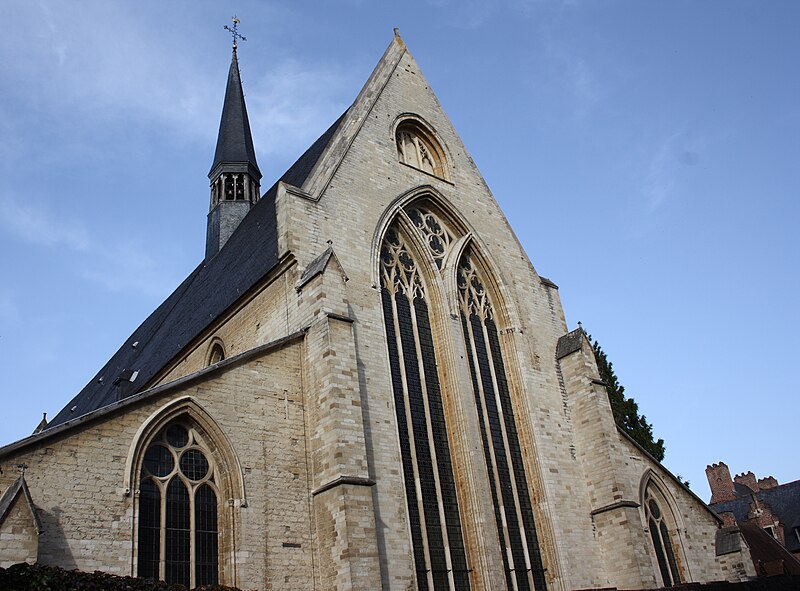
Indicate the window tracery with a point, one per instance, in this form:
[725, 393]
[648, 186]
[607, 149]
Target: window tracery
[416, 148]
[660, 536]
[433, 510]
[178, 509]
[437, 237]
[514, 517]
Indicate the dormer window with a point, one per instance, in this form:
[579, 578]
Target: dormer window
[417, 147]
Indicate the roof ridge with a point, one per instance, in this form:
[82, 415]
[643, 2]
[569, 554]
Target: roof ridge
[321, 174]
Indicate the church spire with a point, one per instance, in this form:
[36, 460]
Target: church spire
[235, 177]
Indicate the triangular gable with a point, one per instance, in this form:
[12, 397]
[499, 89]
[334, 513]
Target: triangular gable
[12, 493]
[318, 266]
[317, 181]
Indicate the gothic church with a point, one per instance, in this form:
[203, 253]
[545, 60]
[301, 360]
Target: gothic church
[365, 384]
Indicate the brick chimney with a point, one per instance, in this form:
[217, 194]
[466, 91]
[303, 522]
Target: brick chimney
[719, 479]
[767, 483]
[748, 479]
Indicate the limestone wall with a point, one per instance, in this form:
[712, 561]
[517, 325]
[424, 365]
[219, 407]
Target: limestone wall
[78, 480]
[19, 537]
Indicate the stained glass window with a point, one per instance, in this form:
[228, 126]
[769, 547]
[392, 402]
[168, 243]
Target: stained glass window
[516, 529]
[177, 477]
[437, 540]
[662, 543]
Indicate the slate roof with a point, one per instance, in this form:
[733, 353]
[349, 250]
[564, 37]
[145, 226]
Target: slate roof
[569, 343]
[216, 284]
[234, 142]
[769, 557]
[783, 501]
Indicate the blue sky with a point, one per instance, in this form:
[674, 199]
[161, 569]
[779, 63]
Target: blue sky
[646, 153]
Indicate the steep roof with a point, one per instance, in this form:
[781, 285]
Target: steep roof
[249, 254]
[769, 557]
[234, 142]
[213, 287]
[783, 500]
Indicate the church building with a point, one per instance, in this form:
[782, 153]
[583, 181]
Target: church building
[364, 384]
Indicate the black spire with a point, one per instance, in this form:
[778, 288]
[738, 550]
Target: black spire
[235, 177]
[234, 142]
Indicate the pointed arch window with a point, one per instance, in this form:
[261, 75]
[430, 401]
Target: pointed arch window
[216, 353]
[178, 534]
[514, 518]
[435, 522]
[417, 147]
[662, 541]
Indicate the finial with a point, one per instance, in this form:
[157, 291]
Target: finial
[21, 468]
[396, 32]
[580, 324]
[235, 31]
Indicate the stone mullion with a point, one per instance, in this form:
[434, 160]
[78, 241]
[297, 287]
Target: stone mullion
[162, 551]
[509, 458]
[192, 537]
[432, 445]
[488, 430]
[411, 442]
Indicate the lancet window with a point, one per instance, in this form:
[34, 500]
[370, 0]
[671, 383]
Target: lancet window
[416, 148]
[178, 510]
[516, 529]
[435, 522]
[662, 543]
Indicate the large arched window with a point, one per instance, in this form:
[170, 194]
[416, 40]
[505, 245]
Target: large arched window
[435, 522]
[516, 528]
[178, 537]
[659, 527]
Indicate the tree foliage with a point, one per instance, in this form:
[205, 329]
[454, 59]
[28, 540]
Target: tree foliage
[626, 411]
[38, 577]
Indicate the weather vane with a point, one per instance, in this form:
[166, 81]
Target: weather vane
[235, 31]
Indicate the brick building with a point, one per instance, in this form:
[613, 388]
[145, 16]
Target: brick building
[765, 511]
[364, 384]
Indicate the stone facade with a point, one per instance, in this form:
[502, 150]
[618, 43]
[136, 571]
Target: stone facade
[300, 416]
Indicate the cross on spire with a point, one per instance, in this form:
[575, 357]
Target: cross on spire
[235, 31]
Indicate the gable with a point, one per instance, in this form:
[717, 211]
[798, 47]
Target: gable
[16, 502]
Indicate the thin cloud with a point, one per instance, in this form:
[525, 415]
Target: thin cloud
[127, 267]
[41, 227]
[284, 113]
[115, 266]
[134, 73]
[667, 166]
[659, 179]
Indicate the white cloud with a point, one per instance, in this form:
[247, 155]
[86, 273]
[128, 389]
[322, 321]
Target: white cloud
[127, 266]
[664, 170]
[286, 108]
[41, 227]
[114, 265]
